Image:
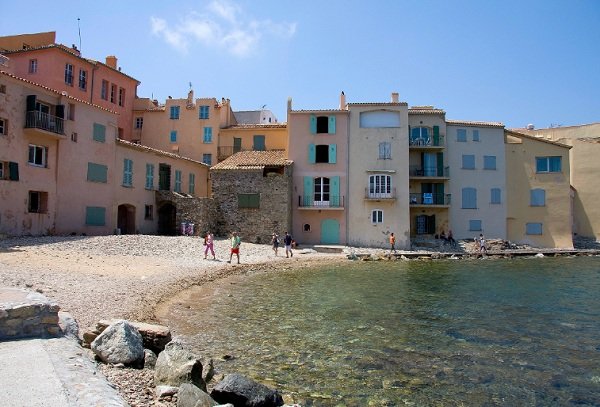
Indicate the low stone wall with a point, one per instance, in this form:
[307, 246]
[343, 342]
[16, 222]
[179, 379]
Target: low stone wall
[26, 314]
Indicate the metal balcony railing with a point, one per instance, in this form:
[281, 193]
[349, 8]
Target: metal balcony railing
[429, 171]
[44, 121]
[328, 202]
[427, 141]
[380, 193]
[429, 199]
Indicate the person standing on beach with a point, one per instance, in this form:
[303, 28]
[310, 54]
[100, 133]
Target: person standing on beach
[235, 247]
[482, 248]
[287, 241]
[275, 242]
[392, 243]
[209, 244]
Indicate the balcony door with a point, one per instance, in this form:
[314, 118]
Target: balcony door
[322, 190]
[380, 186]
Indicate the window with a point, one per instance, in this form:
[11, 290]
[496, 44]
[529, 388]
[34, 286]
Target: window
[82, 79]
[97, 173]
[74, 137]
[425, 224]
[548, 164]
[139, 122]
[306, 227]
[121, 96]
[99, 133]
[173, 136]
[537, 197]
[127, 172]
[149, 176]
[69, 74]
[9, 171]
[469, 198]
[2, 88]
[71, 111]
[321, 190]
[380, 186]
[489, 162]
[3, 127]
[475, 225]
[495, 196]
[376, 216]
[177, 181]
[468, 162]
[475, 135]
[322, 153]
[533, 228]
[207, 138]
[385, 150]
[322, 124]
[174, 113]
[419, 136]
[248, 200]
[258, 143]
[33, 65]
[113, 93]
[38, 202]
[104, 90]
[148, 212]
[192, 184]
[203, 113]
[95, 216]
[38, 155]
[207, 159]
[461, 135]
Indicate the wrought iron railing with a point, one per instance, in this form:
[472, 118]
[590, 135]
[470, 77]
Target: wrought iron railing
[429, 199]
[429, 171]
[44, 121]
[427, 141]
[332, 201]
[380, 193]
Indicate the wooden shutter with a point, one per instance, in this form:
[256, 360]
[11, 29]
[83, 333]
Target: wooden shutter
[309, 186]
[97, 173]
[312, 153]
[313, 124]
[334, 191]
[436, 135]
[331, 127]
[95, 216]
[332, 153]
[99, 133]
[440, 164]
[13, 171]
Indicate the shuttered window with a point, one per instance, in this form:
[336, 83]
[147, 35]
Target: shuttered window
[469, 198]
[149, 176]
[248, 200]
[537, 197]
[127, 172]
[95, 216]
[99, 133]
[177, 181]
[97, 173]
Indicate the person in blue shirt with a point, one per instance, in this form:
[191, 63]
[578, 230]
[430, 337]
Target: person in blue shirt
[287, 241]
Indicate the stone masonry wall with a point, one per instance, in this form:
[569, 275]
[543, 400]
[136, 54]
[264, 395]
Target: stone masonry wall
[203, 212]
[26, 314]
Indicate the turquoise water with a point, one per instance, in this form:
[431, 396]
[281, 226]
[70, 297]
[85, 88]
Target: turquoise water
[445, 333]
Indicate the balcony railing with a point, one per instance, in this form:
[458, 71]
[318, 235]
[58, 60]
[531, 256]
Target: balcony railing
[429, 199]
[310, 202]
[44, 121]
[433, 171]
[382, 193]
[427, 141]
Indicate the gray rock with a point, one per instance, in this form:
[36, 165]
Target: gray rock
[155, 337]
[242, 391]
[163, 391]
[119, 343]
[176, 365]
[68, 325]
[149, 359]
[191, 396]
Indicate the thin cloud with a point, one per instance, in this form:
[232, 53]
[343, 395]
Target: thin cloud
[224, 25]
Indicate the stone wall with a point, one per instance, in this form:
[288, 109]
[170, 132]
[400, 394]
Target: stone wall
[203, 212]
[25, 314]
[275, 211]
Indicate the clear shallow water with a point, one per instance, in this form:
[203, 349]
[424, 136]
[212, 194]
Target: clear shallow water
[447, 333]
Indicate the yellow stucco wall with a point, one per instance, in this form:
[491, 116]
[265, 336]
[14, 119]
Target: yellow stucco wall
[275, 137]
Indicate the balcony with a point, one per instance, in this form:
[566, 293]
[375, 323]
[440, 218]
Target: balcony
[308, 202]
[427, 142]
[429, 199]
[429, 171]
[381, 195]
[44, 121]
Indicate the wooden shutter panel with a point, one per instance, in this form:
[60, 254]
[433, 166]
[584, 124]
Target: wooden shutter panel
[440, 164]
[312, 153]
[60, 111]
[334, 191]
[31, 99]
[313, 124]
[332, 153]
[436, 135]
[331, 127]
[309, 186]
[13, 171]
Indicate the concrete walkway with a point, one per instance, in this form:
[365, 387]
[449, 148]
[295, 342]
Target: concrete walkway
[52, 373]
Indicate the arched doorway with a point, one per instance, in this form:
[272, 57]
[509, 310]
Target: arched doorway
[330, 231]
[167, 221]
[126, 219]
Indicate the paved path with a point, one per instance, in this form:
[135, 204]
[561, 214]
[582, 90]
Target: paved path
[52, 373]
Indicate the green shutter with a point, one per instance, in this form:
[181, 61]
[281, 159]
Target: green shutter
[13, 171]
[312, 153]
[95, 216]
[97, 173]
[313, 124]
[309, 189]
[440, 164]
[436, 135]
[99, 133]
[331, 129]
[334, 191]
[332, 153]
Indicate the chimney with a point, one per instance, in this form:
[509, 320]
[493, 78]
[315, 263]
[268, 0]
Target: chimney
[394, 97]
[289, 104]
[111, 61]
[342, 101]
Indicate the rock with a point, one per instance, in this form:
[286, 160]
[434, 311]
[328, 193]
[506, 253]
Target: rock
[176, 365]
[119, 343]
[191, 396]
[155, 337]
[242, 391]
[164, 391]
[68, 325]
[88, 338]
[149, 359]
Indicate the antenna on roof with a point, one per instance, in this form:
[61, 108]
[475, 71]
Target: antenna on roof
[79, 30]
[190, 85]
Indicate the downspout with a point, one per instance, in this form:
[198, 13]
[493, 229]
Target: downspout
[347, 214]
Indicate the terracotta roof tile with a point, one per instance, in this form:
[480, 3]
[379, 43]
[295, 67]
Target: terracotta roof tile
[142, 147]
[474, 123]
[425, 110]
[254, 160]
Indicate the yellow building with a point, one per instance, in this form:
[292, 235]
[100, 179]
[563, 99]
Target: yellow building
[251, 137]
[539, 209]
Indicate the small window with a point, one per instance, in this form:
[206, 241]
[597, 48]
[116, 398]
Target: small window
[468, 162]
[38, 155]
[177, 181]
[207, 159]
[121, 97]
[258, 143]
[99, 133]
[376, 216]
[469, 198]
[127, 172]
[489, 162]
[97, 173]
[149, 176]
[475, 225]
[475, 135]
[174, 113]
[322, 153]
[95, 216]
[248, 200]
[33, 64]
[192, 184]
[3, 127]
[496, 197]
[104, 90]
[139, 122]
[306, 227]
[533, 228]
[113, 93]
[548, 164]
[148, 212]
[69, 74]
[38, 202]
[74, 137]
[537, 197]
[2, 88]
[9, 171]
[322, 124]
[173, 136]
[461, 135]
[203, 114]
[71, 111]
[82, 79]
[207, 136]
[385, 150]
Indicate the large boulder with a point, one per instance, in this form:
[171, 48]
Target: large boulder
[242, 391]
[120, 343]
[176, 365]
[191, 396]
[155, 337]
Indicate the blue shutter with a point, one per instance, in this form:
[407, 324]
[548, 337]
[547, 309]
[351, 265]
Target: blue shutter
[495, 196]
[537, 197]
[334, 191]
[533, 228]
[331, 127]
[149, 176]
[312, 153]
[309, 186]
[173, 136]
[97, 173]
[313, 124]
[469, 198]
[95, 216]
[99, 133]
[332, 153]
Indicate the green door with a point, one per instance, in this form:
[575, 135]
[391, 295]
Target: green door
[330, 231]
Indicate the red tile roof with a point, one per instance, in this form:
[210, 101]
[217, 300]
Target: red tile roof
[254, 160]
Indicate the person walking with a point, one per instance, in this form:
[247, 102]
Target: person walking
[275, 242]
[482, 248]
[287, 241]
[392, 243]
[235, 247]
[209, 242]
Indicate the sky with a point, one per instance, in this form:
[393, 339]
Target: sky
[518, 62]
